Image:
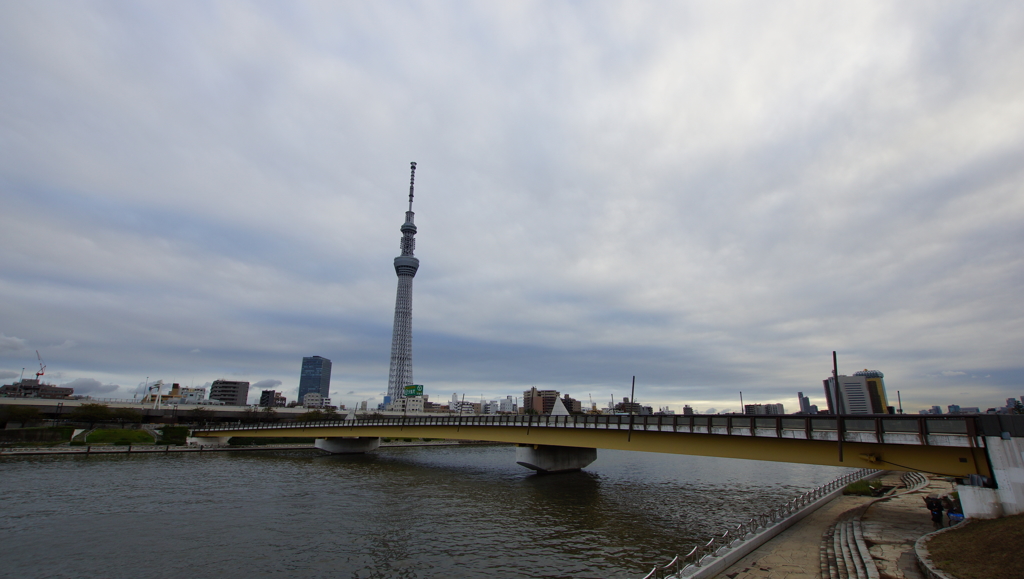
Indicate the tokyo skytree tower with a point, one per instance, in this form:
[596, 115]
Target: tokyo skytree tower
[406, 265]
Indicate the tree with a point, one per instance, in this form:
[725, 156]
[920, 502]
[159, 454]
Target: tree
[268, 414]
[200, 415]
[250, 415]
[122, 415]
[20, 414]
[310, 416]
[91, 413]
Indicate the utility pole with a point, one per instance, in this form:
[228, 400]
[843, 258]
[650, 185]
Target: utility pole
[632, 401]
[839, 405]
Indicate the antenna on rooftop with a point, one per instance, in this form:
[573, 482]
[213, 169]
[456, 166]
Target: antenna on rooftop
[412, 180]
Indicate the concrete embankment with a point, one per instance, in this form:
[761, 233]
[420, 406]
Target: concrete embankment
[890, 528]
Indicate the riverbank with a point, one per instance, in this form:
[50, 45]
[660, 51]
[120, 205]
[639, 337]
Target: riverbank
[889, 529]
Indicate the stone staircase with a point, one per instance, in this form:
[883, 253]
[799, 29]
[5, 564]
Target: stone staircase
[843, 552]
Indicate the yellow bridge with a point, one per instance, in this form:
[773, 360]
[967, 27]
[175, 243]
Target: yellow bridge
[949, 445]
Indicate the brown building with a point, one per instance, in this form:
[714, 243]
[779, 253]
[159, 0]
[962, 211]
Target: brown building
[539, 401]
[572, 405]
[32, 388]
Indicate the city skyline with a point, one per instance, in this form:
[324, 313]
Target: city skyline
[711, 202]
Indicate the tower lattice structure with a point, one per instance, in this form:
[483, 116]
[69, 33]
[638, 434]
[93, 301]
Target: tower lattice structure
[406, 265]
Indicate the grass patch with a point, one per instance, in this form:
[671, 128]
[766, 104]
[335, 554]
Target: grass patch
[863, 487]
[119, 436]
[173, 434]
[981, 550]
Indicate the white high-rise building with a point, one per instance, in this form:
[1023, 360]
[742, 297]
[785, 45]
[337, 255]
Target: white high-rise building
[406, 266]
[862, 393]
[507, 405]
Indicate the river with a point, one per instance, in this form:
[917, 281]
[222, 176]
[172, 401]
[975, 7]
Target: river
[412, 512]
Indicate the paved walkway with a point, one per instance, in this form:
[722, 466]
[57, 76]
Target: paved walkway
[892, 526]
[890, 529]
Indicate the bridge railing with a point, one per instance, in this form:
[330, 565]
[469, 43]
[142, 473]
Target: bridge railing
[893, 429]
[718, 545]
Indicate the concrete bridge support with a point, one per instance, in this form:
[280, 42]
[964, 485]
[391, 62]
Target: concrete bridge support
[1006, 456]
[346, 445]
[547, 459]
[207, 440]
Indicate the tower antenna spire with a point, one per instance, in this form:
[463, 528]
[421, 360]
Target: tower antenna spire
[412, 180]
[406, 264]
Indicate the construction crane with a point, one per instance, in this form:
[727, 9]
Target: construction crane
[42, 367]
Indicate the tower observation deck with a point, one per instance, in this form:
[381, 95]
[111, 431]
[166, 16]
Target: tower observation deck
[406, 265]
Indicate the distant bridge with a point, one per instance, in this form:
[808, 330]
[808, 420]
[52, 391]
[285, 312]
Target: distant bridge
[950, 445]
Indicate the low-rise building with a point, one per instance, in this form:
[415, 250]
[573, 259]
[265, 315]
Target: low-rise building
[507, 406]
[408, 404]
[33, 388]
[272, 399]
[315, 400]
[761, 409]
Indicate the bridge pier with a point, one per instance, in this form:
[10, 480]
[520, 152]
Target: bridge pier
[348, 445]
[1006, 455]
[207, 440]
[549, 459]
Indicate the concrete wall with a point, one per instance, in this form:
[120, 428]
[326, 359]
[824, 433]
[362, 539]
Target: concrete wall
[1007, 459]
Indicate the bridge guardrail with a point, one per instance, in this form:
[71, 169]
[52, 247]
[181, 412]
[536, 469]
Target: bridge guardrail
[699, 554]
[892, 429]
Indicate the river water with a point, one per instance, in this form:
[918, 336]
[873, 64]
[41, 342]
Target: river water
[414, 512]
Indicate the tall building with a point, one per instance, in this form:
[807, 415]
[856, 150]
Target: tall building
[406, 265]
[805, 403]
[539, 401]
[862, 393]
[230, 392]
[315, 377]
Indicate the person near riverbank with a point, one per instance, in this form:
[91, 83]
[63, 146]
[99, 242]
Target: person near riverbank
[935, 505]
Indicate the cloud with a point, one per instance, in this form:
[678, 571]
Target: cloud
[90, 386]
[11, 344]
[593, 201]
[953, 373]
[5, 374]
[710, 411]
[265, 385]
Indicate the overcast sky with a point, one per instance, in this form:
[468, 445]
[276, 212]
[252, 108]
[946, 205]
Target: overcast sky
[710, 196]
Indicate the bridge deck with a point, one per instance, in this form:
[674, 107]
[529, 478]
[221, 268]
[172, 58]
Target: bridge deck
[951, 445]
